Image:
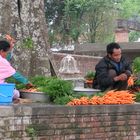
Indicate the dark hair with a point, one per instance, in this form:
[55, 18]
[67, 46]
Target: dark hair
[4, 45]
[110, 47]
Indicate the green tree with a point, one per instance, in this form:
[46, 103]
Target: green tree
[73, 19]
[25, 21]
[64, 19]
[133, 36]
[54, 14]
[97, 11]
[129, 9]
[80, 19]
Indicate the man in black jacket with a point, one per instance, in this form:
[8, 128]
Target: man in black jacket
[112, 71]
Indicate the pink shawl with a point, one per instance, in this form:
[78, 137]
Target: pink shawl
[6, 70]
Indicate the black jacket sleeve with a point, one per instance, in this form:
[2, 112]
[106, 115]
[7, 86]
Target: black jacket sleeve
[102, 76]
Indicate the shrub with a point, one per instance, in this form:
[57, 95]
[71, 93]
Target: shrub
[63, 100]
[136, 65]
[137, 97]
[59, 88]
[40, 81]
[90, 75]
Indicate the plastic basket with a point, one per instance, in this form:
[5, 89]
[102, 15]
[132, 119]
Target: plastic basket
[6, 92]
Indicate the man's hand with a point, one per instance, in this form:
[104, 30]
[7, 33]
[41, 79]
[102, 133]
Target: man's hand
[121, 77]
[29, 85]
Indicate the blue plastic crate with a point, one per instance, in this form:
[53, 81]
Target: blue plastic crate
[6, 92]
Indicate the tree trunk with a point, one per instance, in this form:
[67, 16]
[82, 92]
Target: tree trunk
[22, 19]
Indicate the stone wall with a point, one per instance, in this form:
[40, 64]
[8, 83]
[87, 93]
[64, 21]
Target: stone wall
[48, 122]
[84, 63]
[130, 50]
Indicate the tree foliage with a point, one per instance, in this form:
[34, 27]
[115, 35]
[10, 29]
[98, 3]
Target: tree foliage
[89, 21]
[78, 19]
[98, 12]
[65, 19]
[129, 9]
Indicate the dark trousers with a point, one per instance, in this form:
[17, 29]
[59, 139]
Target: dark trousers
[119, 85]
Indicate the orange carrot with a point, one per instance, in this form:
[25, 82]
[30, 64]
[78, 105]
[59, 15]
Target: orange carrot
[111, 97]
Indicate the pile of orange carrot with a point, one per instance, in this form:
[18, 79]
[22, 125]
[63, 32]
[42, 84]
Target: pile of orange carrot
[30, 90]
[111, 97]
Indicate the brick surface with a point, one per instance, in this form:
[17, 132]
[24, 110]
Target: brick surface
[117, 122]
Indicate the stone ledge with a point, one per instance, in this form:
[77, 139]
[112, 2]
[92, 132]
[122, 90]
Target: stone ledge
[66, 122]
[44, 109]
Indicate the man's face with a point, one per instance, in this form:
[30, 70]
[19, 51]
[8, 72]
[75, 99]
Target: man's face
[116, 55]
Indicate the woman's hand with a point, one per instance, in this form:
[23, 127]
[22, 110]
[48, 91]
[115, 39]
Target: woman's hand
[29, 85]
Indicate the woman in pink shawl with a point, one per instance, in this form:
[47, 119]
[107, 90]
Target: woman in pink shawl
[6, 70]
